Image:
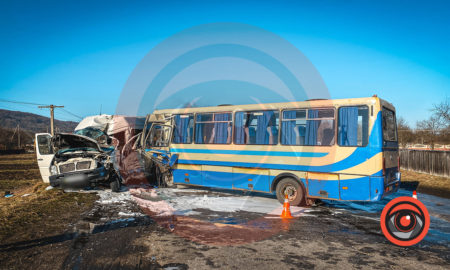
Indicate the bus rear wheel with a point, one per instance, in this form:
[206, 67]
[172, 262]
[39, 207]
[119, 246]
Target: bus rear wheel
[293, 189]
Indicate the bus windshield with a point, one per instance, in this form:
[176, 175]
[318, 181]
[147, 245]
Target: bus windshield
[159, 136]
[389, 125]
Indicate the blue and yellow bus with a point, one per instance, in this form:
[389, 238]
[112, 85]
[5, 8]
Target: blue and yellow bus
[344, 149]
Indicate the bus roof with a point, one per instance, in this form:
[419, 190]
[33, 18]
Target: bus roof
[267, 106]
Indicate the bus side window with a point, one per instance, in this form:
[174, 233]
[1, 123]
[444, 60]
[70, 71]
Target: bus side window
[183, 128]
[308, 127]
[260, 128]
[293, 127]
[353, 126]
[213, 128]
[320, 127]
[389, 125]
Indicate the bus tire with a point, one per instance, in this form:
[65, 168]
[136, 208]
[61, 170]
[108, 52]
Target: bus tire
[295, 190]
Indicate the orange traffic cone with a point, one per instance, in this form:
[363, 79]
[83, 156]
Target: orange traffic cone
[414, 194]
[286, 208]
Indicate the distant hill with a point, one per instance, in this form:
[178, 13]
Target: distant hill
[29, 125]
[33, 122]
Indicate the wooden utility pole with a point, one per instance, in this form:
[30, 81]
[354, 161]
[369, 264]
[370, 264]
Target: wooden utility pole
[18, 136]
[17, 129]
[52, 109]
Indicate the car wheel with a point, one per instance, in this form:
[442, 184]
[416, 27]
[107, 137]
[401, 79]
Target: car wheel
[115, 185]
[293, 189]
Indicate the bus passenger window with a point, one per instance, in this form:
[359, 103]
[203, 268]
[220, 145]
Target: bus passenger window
[256, 127]
[213, 128]
[353, 126]
[183, 128]
[320, 127]
[293, 127]
[308, 127]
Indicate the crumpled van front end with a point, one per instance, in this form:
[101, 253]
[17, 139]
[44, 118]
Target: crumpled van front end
[79, 162]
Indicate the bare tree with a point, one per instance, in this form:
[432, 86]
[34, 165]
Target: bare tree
[405, 134]
[442, 112]
[429, 130]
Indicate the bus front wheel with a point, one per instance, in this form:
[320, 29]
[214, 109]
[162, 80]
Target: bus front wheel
[293, 189]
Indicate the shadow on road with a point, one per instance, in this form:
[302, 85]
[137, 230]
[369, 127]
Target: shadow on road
[109, 226]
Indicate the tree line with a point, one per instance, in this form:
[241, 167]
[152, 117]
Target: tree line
[432, 131]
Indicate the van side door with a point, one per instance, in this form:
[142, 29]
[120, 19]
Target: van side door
[44, 154]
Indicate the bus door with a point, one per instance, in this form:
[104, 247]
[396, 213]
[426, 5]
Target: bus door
[391, 171]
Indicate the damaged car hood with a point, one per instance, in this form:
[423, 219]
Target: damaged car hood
[66, 142]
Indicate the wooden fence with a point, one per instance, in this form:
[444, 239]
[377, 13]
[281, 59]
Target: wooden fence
[426, 161]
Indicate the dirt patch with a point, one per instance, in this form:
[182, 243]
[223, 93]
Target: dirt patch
[40, 213]
[18, 172]
[426, 183]
[43, 213]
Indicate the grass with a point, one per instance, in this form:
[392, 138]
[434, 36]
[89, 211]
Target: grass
[435, 185]
[41, 214]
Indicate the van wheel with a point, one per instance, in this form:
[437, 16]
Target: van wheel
[168, 180]
[115, 185]
[293, 189]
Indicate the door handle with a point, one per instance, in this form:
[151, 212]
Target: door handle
[40, 159]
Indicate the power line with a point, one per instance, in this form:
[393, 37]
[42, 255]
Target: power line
[21, 102]
[79, 117]
[36, 104]
[63, 116]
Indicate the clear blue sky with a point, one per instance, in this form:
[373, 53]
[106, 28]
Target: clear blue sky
[80, 53]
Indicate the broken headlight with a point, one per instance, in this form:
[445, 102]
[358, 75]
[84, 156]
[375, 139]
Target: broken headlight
[53, 170]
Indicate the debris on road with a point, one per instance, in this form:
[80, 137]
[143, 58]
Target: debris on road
[190, 202]
[111, 210]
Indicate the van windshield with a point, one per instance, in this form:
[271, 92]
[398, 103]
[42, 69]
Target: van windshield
[389, 125]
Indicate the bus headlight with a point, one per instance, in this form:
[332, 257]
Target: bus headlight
[53, 170]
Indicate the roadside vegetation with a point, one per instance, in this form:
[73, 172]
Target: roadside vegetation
[432, 131]
[426, 183]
